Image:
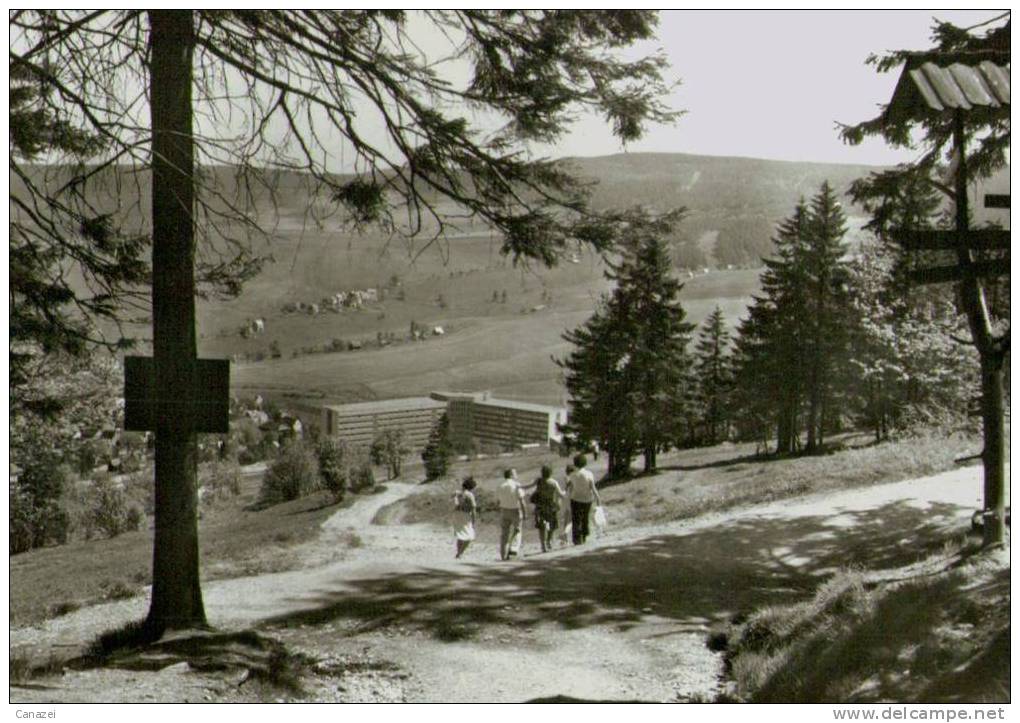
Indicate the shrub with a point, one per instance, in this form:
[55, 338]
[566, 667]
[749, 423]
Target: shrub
[64, 608]
[220, 481]
[22, 520]
[362, 475]
[109, 508]
[140, 490]
[389, 449]
[37, 515]
[118, 590]
[334, 457]
[134, 519]
[293, 474]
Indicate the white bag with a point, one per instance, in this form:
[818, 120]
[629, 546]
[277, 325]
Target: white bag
[599, 518]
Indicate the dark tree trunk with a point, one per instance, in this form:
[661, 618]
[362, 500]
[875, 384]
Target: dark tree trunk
[176, 590]
[650, 459]
[992, 357]
[994, 452]
[813, 416]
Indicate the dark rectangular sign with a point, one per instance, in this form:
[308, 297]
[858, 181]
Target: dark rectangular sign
[932, 240]
[946, 274]
[206, 409]
[996, 200]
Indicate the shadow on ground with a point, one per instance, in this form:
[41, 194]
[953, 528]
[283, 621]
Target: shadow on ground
[687, 578]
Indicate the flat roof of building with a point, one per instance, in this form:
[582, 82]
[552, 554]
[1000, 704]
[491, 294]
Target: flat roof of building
[387, 405]
[446, 396]
[524, 406]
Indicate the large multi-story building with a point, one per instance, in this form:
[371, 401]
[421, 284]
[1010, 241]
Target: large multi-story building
[360, 423]
[473, 418]
[505, 423]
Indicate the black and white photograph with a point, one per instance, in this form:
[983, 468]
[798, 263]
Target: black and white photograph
[502, 356]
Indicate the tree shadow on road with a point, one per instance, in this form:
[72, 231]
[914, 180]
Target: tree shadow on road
[689, 578]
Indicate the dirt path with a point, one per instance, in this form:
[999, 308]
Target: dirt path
[622, 618]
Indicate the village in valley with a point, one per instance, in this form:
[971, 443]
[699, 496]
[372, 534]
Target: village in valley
[470, 356]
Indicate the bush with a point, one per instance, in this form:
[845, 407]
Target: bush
[293, 474]
[109, 509]
[140, 490]
[334, 458]
[22, 520]
[389, 449]
[220, 481]
[361, 475]
[37, 515]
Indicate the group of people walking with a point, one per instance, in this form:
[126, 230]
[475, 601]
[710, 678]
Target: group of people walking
[580, 489]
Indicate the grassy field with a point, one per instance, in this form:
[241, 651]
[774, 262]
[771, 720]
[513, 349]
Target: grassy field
[236, 539]
[487, 346]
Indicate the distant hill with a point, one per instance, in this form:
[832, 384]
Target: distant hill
[733, 203]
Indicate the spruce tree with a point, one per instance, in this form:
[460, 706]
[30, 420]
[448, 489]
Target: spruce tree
[826, 303]
[438, 451]
[771, 369]
[794, 340]
[601, 407]
[629, 375]
[714, 375]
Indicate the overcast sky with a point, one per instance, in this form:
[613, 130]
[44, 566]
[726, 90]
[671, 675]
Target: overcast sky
[773, 84]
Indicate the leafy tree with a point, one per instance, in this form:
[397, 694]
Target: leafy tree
[294, 474]
[389, 449]
[908, 370]
[981, 138]
[438, 451]
[334, 462]
[38, 517]
[714, 375]
[303, 81]
[629, 375]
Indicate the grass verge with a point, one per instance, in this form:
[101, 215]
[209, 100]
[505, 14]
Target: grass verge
[235, 541]
[937, 632]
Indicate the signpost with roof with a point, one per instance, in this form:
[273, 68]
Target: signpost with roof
[966, 84]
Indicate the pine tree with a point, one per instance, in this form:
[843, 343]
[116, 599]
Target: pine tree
[438, 451]
[826, 297]
[793, 342]
[599, 396]
[714, 375]
[629, 375]
[770, 352]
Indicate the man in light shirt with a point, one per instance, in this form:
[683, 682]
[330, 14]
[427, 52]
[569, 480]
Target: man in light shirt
[582, 491]
[511, 514]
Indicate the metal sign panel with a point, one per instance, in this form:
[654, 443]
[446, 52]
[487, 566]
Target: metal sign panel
[996, 200]
[206, 408]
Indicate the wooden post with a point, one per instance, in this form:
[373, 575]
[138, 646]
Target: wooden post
[991, 357]
[176, 590]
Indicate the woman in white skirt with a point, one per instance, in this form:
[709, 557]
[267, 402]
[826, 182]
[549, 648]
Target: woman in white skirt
[465, 512]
